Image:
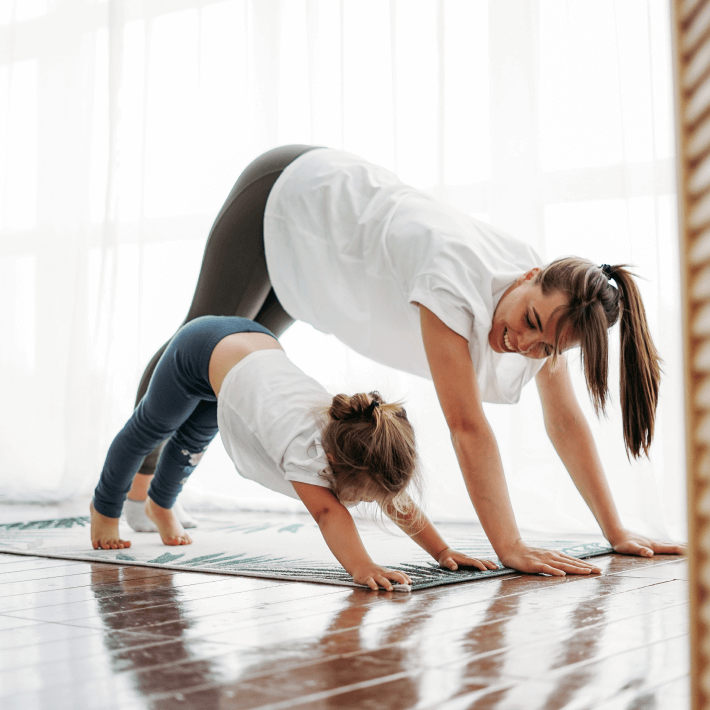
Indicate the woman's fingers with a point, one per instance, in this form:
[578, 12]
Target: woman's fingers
[647, 548]
[574, 569]
[570, 558]
[584, 568]
[577, 568]
[634, 548]
[547, 569]
[669, 548]
[566, 564]
[579, 563]
[532, 560]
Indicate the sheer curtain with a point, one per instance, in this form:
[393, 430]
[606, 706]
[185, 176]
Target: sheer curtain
[124, 123]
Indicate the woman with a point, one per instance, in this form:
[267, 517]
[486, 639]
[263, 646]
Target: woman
[324, 236]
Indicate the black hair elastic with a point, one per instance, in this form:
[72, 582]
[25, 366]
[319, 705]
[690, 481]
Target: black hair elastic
[371, 408]
[607, 271]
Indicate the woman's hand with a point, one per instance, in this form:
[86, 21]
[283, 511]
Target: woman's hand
[374, 576]
[452, 559]
[537, 560]
[629, 543]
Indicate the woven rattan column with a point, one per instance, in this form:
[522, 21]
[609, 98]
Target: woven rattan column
[691, 29]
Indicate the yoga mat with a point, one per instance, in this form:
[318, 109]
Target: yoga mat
[273, 549]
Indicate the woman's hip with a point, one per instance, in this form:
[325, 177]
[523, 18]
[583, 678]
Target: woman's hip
[273, 163]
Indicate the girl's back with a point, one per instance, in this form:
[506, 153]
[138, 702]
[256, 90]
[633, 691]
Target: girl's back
[269, 421]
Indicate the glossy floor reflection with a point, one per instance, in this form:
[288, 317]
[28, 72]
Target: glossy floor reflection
[98, 636]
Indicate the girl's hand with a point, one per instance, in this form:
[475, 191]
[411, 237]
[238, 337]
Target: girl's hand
[452, 559]
[375, 577]
[536, 560]
[629, 543]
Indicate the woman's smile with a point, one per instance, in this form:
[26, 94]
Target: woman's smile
[506, 342]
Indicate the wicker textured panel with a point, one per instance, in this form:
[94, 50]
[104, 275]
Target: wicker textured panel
[695, 29]
[699, 140]
[698, 67]
[697, 103]
[691, 29]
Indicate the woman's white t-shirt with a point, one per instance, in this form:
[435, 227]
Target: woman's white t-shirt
[351, 249]
[270, 423]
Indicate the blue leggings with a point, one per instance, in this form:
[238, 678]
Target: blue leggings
[180, 406]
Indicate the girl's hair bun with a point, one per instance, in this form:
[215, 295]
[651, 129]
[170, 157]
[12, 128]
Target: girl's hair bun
[371, 450]
[359, 406]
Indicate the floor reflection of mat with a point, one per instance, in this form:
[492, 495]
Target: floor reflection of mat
[272, 549]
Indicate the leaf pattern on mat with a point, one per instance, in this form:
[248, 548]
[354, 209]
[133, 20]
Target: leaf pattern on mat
[166, 559]
[81, 521]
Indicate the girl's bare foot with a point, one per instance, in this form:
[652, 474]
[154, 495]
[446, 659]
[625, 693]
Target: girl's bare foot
[169, 527]
[104, 532]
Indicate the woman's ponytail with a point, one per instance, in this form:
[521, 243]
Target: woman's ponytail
[594, 306]
[640, 369]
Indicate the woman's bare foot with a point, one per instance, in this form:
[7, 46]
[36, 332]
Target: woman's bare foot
[169, 527]
[104, 532]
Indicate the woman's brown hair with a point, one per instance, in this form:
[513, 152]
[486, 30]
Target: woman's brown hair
[372, 451]
[594, 306]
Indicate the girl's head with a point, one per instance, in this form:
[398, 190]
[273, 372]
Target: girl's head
[371, 449]
[589, 306]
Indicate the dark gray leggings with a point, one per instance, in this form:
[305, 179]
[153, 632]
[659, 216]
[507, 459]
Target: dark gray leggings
[233, 279]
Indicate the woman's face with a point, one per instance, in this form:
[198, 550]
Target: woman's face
[523, 321]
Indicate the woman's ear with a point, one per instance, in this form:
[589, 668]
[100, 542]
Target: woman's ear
[527, 276]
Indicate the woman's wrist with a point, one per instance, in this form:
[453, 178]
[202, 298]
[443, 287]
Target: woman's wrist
[509, 547]
[615, 535]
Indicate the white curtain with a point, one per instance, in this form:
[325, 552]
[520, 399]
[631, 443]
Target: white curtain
[124, 123]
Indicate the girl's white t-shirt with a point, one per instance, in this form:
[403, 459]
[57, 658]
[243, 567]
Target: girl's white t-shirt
[351, 249]
[269, 414]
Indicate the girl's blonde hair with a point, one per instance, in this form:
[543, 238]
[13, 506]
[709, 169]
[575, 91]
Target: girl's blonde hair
[594, 306]
[372, 451]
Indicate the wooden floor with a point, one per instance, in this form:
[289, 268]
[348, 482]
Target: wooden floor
[92, 636]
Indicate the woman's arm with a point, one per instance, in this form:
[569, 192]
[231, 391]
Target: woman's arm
[477, 452]
[572, 438]
[340, 534]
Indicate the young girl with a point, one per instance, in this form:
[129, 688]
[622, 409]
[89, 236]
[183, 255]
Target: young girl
[230, 374]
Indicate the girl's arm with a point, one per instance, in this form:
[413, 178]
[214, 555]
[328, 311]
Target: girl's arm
[415, 524]
[477, 452]
[340, 534]
[572, 438]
